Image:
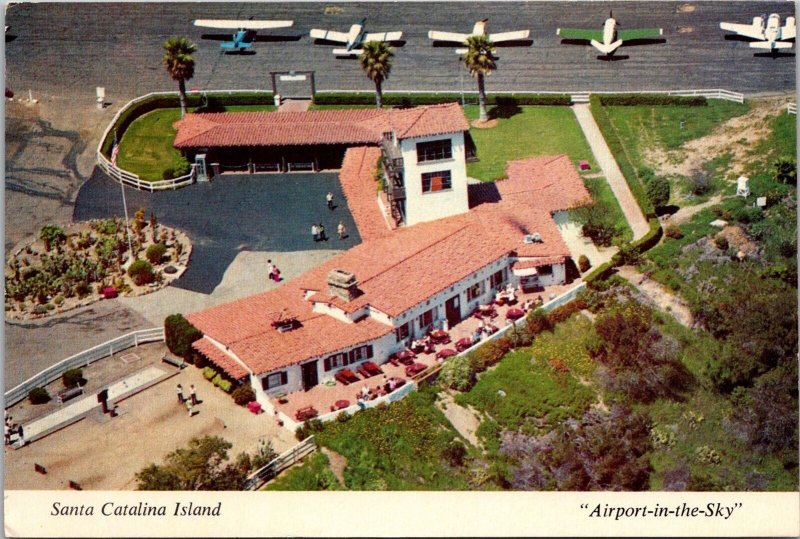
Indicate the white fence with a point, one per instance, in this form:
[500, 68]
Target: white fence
[715, 93]
[83, 359]
[791, 108]
[283, 461]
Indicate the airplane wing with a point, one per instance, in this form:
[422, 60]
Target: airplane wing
[329, 35]
[384, 36]
[789, 30]
[746, 30]
[447, 36]
[229, 24]
[509, 36]
[639, 33]
[579, 33]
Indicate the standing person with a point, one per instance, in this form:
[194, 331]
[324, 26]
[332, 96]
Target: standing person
[315, 232]
[341, 230]
[321, 230]
[276, 274]
[8, 434]
[21, 435]
[189, 407]
[193, 395]
[329, 198]
[270, 269]
[180, 394]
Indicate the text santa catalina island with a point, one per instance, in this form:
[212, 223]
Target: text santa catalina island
[141, 509]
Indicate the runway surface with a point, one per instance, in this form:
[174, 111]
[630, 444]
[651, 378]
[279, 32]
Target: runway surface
[70, 48]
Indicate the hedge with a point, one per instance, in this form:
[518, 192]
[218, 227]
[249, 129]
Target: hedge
[179, 335]
[631, 100]
[645, 243]
[408, 100]
[216, 103]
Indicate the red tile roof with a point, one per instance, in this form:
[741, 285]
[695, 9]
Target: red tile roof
[229, 365]
[401, 269]
[528, 263]
[347, 126]
[360, 190]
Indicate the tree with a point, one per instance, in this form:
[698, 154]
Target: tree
[376, 61]
[601, 451]
[52, 235]
[596, 224]
[479, 60]
[786, 170]
[658, 191]
[180, 64]
[179, 335]
[200, 466]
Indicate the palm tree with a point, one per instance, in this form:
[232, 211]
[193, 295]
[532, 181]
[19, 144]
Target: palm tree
[479, 60]
[376, 61]
[180, 64]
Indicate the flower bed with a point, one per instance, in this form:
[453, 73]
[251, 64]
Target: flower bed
[74, 266]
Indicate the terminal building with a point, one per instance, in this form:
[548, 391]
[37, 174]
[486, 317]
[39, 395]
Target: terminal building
[455, 246]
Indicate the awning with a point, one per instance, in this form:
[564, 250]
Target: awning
[525, 272]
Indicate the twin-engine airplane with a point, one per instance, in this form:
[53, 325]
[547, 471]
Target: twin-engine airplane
[767, 36]
[609, 39]
[478, 30]
[354, 38]
[245, 31]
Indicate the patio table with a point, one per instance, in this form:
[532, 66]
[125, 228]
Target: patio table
[341, 404]
[415, 368]
[463, 344]
[446, 352]
[515, 314]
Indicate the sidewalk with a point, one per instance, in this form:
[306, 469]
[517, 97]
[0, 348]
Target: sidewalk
[630, 208]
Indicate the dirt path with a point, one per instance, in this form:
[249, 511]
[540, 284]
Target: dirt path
[687, 212]
[660, 295]
[737, 136]
[338, 464]
[630, 208]
[462, 419]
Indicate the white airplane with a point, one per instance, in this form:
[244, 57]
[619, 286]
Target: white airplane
[245, 31]
[609, 39]
[478, 30]
[769, 35]
[354, 38]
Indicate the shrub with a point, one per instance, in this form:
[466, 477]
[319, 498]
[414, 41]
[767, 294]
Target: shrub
[156, 252]
[674, 232]
[179, 335]
[52, 235]
[721, 242]
[458, 374]
[454, 453]
[225, 385]
[49, 306]
[217, 379]
[658, 191]
[583, 263]
[141, 271]
[243, 395]
[58, 300]
[343, 417]
[199, 360]
[312, 426]
[631, 100]
[489, 354]
[38, 395]
[73, 378]
[209, 373]
[562, 313]
[39, 309]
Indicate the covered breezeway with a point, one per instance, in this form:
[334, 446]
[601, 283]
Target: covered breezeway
[260, 159]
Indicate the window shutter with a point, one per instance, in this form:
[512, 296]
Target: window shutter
[369, 351]
[284, 378]
[265, 383]
[327, 363]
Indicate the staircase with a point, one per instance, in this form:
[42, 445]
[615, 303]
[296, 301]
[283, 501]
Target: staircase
[580, 97]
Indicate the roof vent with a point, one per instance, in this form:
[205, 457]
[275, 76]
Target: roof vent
[343, 284]
[532, 238]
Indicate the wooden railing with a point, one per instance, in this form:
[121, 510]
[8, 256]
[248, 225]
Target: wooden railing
[257, 479]
[791, 108]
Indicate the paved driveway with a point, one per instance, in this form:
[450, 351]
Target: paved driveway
[236, 213]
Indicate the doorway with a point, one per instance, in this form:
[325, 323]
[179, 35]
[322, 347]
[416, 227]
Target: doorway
[310, 376]
[452, 310]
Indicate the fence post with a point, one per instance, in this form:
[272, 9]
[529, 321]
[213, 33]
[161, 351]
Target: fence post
[136, 340]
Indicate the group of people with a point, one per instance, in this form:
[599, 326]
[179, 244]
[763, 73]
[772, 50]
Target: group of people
[425, 345]
[318, 230]
[273, 271]
[11, 428]
[191, 401]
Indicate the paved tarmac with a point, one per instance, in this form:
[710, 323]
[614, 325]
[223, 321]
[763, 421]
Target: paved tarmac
[70, 48]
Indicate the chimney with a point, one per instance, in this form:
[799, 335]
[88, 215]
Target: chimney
[343, 284]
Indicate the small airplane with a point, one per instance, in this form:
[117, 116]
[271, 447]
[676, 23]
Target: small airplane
[768, 36]
[354, 38]
[245, 31]
[478, 30]
[609, 39]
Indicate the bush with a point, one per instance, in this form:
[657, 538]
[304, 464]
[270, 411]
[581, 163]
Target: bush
[489, 354]
[49, 306]
[721, 242]
[217, 379]
[658, 191]
[156, 252]
[209, 373]
[312, 426]
[141, 271]
[179, 335]
[73, 378]
[225, 385]
[674, 232]
[58, 300]
[39, 309]
[630, 100]
[564, 312]
[343, 417]
[454, 453]
[458, 374]
[38, 395]
[243, 395]
[583, 263]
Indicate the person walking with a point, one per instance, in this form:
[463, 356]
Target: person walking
[270, 269]
[21, 434]
[329, 199]
[180, 394]
[276, 274]
[8, 434]
[341, 230]
[321, 230]
[193, 395]
[315, 232]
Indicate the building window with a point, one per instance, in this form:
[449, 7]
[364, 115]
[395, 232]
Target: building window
[360, 353]
[335, 361]
[402, 332]
[545, 270]
[434, 150]
[425, 319]
[436, 181]
[496, 280]
[475, 291]
[274, 380]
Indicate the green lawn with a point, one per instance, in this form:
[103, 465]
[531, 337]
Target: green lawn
[543, 384]
[604, 197]
[146, 146]
[529, 131]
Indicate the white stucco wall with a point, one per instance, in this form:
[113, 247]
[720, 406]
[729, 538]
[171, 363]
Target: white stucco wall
[421, 207]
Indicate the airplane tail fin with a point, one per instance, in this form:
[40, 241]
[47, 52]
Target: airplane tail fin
[606, 49]
[347, 52]
[773, 45]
